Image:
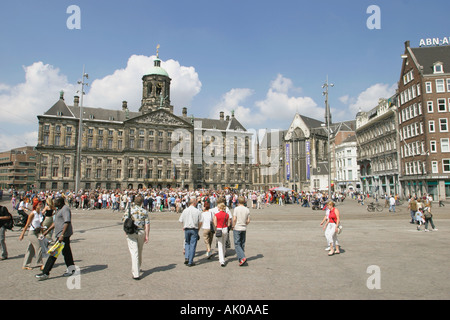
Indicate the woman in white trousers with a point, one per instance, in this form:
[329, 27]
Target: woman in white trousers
[221, 222]
[331, 228]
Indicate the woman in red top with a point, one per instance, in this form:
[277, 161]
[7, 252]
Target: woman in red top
[221, 222]
[332, 228]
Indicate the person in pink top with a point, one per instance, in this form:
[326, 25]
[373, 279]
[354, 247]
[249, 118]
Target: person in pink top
[221, 221]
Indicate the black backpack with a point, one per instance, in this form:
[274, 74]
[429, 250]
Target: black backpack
[128, 226]
[8, 224]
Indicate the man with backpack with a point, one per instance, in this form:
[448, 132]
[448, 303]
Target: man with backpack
[5, 224]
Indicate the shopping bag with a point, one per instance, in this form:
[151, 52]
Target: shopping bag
[56, 249]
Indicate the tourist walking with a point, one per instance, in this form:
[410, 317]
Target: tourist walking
[331, 229]
[136, 240]
[208, 233]
[221, 222]
[428, 218]
[413, 207]
[241, 218]
[34, 229]
[392, 204]
[4, 216]
[192, 220]
[324, 224]
[63, 231]
[48, 211]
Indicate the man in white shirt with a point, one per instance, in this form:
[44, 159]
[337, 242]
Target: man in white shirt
[392, 204]
[241, 218]
[192, 220]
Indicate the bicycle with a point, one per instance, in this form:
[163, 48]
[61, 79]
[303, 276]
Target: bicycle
[372, 206]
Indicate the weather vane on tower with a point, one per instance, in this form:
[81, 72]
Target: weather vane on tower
[157, 51]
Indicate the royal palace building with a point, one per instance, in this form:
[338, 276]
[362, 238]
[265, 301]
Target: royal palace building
[148, 148]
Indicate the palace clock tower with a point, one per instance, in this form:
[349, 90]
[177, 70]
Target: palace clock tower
[156, 88]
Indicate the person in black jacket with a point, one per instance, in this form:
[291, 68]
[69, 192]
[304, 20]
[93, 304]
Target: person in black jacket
[4, 215]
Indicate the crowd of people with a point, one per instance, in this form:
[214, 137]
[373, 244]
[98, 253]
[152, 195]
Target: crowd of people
[203, 213]
[174, 200]
[420, 211]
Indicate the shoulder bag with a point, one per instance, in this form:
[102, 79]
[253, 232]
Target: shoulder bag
[219, 231]
[128, 226]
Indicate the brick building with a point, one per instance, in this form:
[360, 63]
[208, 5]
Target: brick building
[18, 168]
[424, 101]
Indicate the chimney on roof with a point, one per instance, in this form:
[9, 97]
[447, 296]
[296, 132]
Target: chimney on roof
[221, 115]
[124, 105]
[76, 101]
[184, 112]
[228, 118]
[407, 43]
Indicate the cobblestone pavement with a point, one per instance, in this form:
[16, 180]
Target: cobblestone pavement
[383, 257]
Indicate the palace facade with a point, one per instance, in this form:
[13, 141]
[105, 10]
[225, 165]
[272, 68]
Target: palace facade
[148, 148]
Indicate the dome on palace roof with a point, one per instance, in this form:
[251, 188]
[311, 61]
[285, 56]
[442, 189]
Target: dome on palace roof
[157, 69]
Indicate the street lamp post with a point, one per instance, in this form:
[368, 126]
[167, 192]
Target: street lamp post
[80, 133]
[327, 118]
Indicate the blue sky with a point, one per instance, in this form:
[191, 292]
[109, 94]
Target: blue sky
[266, 60]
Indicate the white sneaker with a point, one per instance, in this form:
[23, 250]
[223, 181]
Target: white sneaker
[42, 276]
[435, 229]
[327, 249]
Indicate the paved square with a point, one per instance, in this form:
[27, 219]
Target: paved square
[286, 260]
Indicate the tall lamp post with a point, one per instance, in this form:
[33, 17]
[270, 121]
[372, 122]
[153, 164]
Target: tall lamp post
[80, 132]
[327, 119]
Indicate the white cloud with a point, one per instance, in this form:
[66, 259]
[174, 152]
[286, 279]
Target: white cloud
[21, 104]
[126, 84]
[368, 99]
[277, 108]
[11, 141]
[231, 101]
[344, 99]
[280, 106]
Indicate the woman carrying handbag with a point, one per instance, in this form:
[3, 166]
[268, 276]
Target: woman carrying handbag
[34, 228]
[221, 223]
